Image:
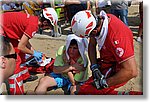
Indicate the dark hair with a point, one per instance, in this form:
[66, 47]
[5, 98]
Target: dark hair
[42, 19]
[73, 42]
[5, 46]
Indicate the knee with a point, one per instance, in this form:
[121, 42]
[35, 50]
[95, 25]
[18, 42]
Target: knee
[43, 81]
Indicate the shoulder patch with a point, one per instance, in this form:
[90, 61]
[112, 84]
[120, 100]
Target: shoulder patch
[119, 51]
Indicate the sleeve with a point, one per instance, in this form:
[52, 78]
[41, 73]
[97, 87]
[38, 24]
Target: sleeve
[122, 47]
[83, 75]
[32, 26]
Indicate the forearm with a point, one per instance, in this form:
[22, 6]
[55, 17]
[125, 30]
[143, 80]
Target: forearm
[121, 77]
[92, 53]
[29, 46]
[88, 5]
[127, 72]
[24, 45]
[62, 69]
[26, 50]
[71, 77]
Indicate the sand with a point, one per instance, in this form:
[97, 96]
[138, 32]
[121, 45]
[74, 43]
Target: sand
[49, 46]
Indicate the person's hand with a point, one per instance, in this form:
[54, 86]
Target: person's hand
[100, 83]
[98, 77]
[74, 70]
[38, 55]
[79, 67]
[95, 71]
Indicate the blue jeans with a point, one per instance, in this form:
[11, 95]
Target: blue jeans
[122, 14]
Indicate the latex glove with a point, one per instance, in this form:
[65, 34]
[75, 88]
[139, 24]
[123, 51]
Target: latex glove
[100, 83]
[38, 55]
[96, 72]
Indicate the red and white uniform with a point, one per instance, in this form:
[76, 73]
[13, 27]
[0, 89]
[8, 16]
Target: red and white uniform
[117, 48]
[13, 26]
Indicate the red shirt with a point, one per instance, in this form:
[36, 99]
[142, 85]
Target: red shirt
[118, 46]
[15, 24]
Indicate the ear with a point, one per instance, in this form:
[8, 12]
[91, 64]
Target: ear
[2, 62]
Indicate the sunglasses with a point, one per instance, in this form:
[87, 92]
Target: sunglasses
[11, 56]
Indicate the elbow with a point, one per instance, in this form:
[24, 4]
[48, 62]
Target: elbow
[20, 47]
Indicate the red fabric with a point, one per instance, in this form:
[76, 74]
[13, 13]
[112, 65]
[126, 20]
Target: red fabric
[118, 45]
[118, 37]
[89, 89]
[20, 60]
[117, 48]
[16, 90]
[42, 69]
[15, 24]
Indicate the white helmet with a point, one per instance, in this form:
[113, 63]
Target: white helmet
[50, 14]
[83, 23]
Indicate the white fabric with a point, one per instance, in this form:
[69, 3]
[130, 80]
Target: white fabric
[103, 33]
[82, 45]
[50, 14]
[103, 3]
[46, 61]
[6, 7]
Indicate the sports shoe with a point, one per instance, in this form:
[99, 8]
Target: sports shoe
[139, 39]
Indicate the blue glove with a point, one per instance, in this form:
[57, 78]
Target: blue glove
[38, 55]
[98, 77]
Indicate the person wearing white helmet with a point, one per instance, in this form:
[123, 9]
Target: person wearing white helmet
[116, 64]
[20, 27]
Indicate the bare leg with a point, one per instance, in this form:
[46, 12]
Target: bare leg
[45, 83]
[71, 78]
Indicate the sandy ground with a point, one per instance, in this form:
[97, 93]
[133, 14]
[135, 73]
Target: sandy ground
[49, 45]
